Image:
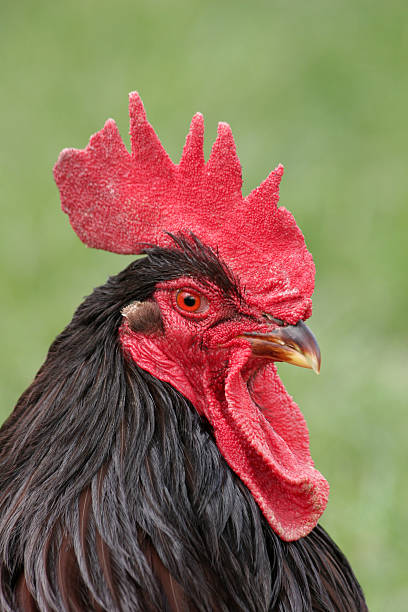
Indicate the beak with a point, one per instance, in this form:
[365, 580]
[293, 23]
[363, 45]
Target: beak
[294, 344]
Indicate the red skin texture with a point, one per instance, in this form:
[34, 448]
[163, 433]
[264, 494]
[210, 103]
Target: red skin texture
[119, 201]
[258, 427]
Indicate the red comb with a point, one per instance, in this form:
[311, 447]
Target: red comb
[118, 202]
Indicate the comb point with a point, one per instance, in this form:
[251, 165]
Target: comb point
[193, 152]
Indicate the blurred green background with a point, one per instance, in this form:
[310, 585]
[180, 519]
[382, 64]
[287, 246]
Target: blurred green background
[319, 86]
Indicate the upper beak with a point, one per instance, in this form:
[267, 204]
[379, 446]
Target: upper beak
[291, 343]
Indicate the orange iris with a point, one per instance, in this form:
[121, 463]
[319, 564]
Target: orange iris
[188, 300]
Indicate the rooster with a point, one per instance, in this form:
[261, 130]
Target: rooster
[156, 462]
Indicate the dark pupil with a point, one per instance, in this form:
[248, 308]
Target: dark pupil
[189, 301]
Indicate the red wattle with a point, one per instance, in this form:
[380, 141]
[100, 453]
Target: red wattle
[258, 428]
[269, 450]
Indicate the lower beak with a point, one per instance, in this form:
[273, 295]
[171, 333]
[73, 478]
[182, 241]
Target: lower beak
[294, 344]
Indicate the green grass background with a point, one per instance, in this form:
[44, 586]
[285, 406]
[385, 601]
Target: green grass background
[319, 86]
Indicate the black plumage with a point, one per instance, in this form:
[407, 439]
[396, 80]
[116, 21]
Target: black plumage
[114, 495]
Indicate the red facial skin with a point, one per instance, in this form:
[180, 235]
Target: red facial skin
[257, 426]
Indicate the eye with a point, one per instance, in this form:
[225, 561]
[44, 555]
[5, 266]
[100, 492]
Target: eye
[190, 301]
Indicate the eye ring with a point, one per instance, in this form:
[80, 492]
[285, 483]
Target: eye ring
[190, 301]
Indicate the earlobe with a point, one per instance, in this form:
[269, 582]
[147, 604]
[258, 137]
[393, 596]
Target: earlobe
[144, 317]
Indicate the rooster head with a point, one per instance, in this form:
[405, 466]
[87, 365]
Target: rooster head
[233, 301]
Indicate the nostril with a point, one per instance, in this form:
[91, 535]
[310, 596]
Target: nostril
[273, 319]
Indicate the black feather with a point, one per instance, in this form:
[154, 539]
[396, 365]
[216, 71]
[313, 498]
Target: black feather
[114, 496]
